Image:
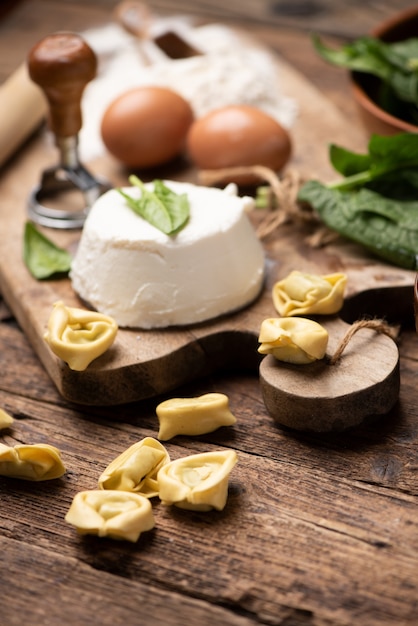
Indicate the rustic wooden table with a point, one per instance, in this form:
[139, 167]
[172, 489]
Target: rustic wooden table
[318, 530]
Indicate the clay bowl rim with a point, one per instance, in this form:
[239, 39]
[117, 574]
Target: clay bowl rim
[383, 31]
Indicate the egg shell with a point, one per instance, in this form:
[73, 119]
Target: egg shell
[238, 135]
[146, 126]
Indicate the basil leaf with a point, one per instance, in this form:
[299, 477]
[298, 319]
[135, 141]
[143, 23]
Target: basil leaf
[42, 257]
[162, 207]
[388, 228]
[177, 205]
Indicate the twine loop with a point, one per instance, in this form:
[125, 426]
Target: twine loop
[380, 326]
[279, 196]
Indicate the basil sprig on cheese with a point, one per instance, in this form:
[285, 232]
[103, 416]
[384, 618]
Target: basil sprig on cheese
[375, 204]
[161, 207]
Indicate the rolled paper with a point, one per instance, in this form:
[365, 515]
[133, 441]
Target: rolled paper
[307, 294]
[136, 468]
[78, 336]
[6, 420]
[114, 514]
[31, 462]
[293, 340]
[193, 416]
[197, 482]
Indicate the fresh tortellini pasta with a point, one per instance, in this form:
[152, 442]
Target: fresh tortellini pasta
[136, 468]
[193, 416]
[6, 420]
[78, 336]
[31, 462]
[293, 339]
[308, 294]
[198, 482]
[112, 513]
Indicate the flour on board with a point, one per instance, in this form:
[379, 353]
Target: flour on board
[227, 72]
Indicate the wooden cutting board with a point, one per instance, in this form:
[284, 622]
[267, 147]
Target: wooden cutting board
[144, 364]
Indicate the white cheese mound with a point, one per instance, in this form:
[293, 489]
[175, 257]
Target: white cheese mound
[126, 268]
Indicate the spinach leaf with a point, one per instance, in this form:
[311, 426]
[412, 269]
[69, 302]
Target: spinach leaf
[386, 155]
[387, 228]
[396, 64]
[362, 55]
[376, 204]
[42, 257]
[162, 207]
[348, 163]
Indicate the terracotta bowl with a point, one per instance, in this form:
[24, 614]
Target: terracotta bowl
[416, 302]
[401, 26]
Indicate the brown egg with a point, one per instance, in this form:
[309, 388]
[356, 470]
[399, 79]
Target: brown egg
[146, 126]
[238, 135]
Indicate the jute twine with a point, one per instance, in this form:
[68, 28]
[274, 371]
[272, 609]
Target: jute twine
[280, 198]
[380, 326]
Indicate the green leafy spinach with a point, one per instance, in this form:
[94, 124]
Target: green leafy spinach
[41, 256]
[162, 207]
[376, 203]
[395, 64]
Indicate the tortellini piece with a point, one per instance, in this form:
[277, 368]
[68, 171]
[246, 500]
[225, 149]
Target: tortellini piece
[31, 462]
[136, 468]
[78, 336]
[197, 482]
[293, 340]
[308, 294]
[193, 416]
[114, 514]
[6, 420]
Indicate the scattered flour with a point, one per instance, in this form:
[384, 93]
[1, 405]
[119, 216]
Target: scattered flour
[227, 73]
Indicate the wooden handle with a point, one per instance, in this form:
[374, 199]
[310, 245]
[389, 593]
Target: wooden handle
[62, 64]
[134, 16]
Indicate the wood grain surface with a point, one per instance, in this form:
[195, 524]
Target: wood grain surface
[319, 530]
[339, 391]
[141, 363]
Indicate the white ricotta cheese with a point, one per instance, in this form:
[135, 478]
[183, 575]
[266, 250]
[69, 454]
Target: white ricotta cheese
[126, 268]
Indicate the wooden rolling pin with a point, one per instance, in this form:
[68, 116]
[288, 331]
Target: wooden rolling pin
[23, 104]
[22, 108]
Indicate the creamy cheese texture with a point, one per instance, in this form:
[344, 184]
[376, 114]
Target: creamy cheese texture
[126, 268]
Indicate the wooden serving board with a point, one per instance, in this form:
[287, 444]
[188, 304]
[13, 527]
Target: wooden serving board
[143, 364]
